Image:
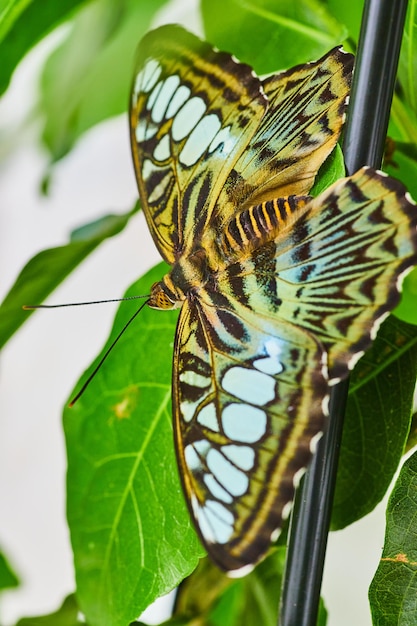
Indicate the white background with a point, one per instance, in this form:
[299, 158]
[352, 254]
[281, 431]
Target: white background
[40, 365]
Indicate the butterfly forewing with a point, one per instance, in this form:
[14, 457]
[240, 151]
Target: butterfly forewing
[193, 111]
[306, 108]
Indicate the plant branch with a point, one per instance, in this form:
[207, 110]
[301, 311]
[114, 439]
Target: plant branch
[367, 123]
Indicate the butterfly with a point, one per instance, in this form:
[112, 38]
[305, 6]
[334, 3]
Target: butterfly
[280, 293]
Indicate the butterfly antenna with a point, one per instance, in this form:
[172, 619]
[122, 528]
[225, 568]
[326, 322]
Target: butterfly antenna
[109, 349]
[30, 307]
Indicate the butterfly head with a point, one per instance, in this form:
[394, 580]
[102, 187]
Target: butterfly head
[163, 298]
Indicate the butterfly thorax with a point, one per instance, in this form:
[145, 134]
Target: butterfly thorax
[250, 229]
[188, 275]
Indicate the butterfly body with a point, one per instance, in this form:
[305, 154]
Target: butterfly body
[280, 293]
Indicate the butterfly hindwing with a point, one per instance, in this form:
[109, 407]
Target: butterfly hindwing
[307, 294]
[331, 265]
[243, 430]
[338, 269]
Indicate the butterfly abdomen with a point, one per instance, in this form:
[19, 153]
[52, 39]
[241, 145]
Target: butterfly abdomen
[259, 224]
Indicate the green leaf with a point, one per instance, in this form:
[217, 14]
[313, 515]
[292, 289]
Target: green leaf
[347, 13]
[393, 591]
[210, 597]
[377, 421]
[130, 528]
[253, 600]
[214, 598]
[403, 165]
[47, 270]
[87, 79]
[332, 169]
[407, 308]
[8, 578]
[23, 23]
[271, 34]
[407, 69]
[412, 435]
[66, 615]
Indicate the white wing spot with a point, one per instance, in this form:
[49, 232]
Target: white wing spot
[334, 381]
[242, 456]
[245, 423]
[200, 139]
[242, 571]
[409, 198]
[286, 510]
[202, 447]
[271, 364]
[188, 117]
[190, 377]
[400, 279]
[216, 490]
[215, 522]
[325, 404]
[160, 188]
[298, 476]
[147, 77]
[207, 417]
[192, 459]
[375, 328]
[355, 357]
[188, 410]
[148, 168]
[314, 441]
[324, 365]
[180, 96]
[232, 479]
[225, 139]
[165, 94]
[162, 150]
[152, 98]
[145, 131]
[249, 385]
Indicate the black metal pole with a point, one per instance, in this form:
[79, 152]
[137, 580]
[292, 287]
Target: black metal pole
[366, 127]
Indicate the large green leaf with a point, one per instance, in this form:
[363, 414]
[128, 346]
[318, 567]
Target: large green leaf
[47, 270]
[87, 79]
[377, 421]
[272, 34]
[23, 23]
[130, 529]
[393, 591]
